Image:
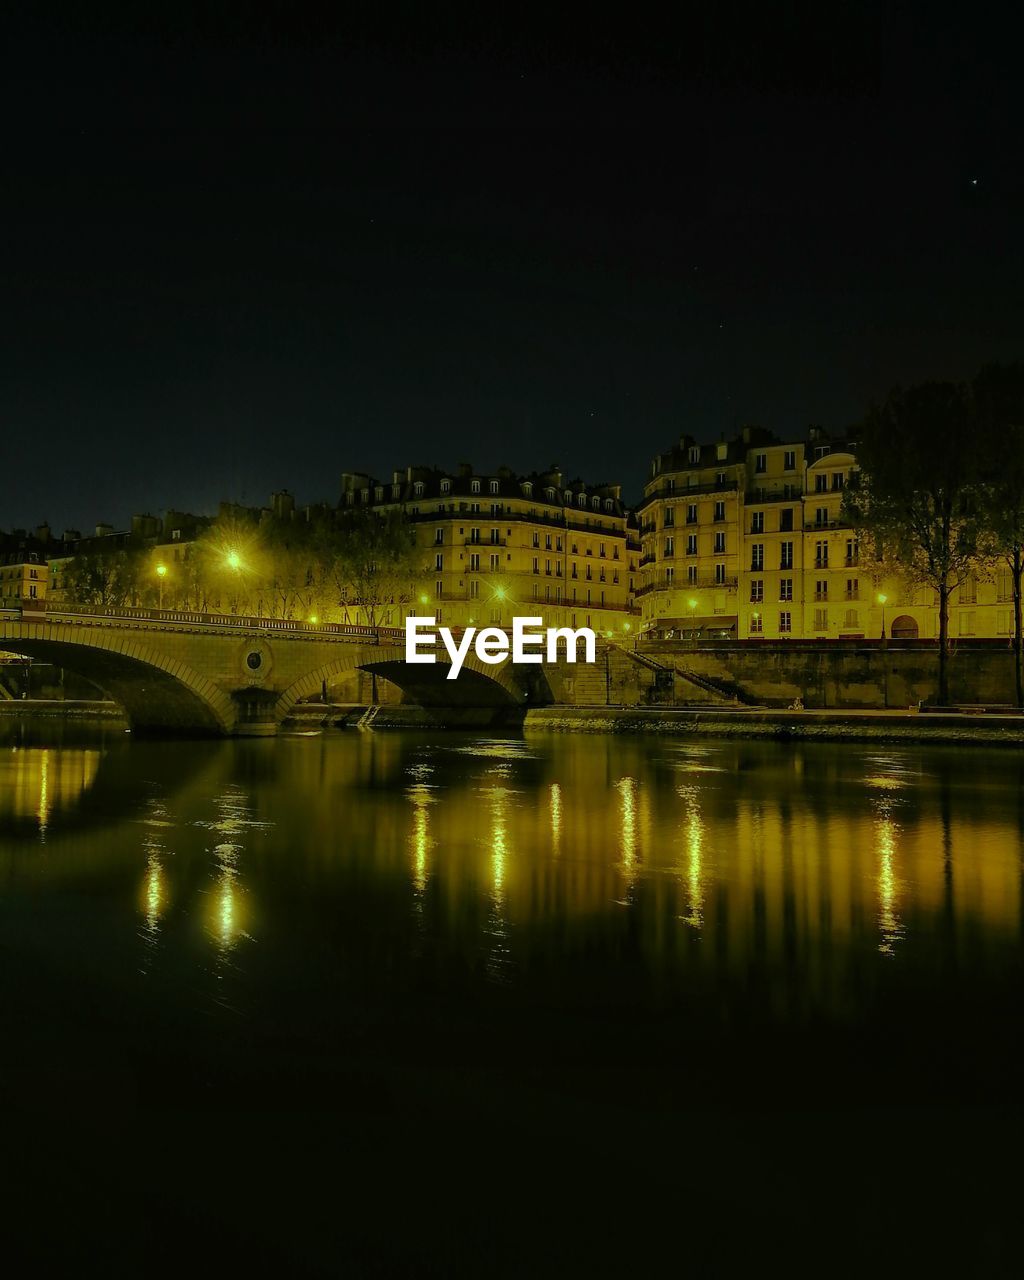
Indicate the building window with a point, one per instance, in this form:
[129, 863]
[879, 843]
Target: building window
[670, 577]
[852, 551]
[694, 453]
[438, 562]
[691, 513]
[719, 573]
[536, 539]
[838, 480]
[786, 520]
[536, 564]
[756, 590]
[821, 555]
[969, 590]
[438, 588]
[536, 591]
[495, 562]
[821, 619]
[495, 537]
[418, 489]
[446, 487]
[547, 567]
[719, 510]
[785, 622]
[670, 546]
[720, 544]
[821, 589]
[789, 460]
[474, 562]
[670, 517]
[821, 517]
[439, 535]
[757, 555]
[474, 486]
[757, 522]
[691, 544]
[760, 463]
[853, 588]
[527, 488]
[755, 624]
[967, 622]
[720, 479]
[474, 536]
[785, 588]
[822, 450]
[1004, 622]
[785, 555]
[547, 542]
[494, 486]
[821, 484]
[691, 575]
[850, 620]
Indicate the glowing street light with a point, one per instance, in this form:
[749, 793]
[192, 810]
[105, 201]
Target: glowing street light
[882, 597]
[233, 560]
[313, 619]
[424, 599]
[161, 573]
[693, 623]
[499, 593]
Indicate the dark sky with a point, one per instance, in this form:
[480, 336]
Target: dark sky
[245, 257]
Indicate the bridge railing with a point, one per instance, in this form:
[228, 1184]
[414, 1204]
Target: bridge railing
[92, 615]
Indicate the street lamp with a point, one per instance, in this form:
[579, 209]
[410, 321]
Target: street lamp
[233, 560]
[693, 633]
[882, 597]
[161, 573]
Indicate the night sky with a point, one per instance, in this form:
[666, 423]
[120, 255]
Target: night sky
[237, 260]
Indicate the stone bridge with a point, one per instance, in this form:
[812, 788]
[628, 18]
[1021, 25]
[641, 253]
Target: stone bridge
[219, 674]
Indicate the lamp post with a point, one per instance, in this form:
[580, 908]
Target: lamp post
[161, 573]
[693, 632]
[882, 597]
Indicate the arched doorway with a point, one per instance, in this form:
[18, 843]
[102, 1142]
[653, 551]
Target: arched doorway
[903, 628]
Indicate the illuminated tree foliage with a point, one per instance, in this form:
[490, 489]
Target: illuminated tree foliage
[918, 494]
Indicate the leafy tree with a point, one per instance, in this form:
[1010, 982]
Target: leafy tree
[108, 579]
[998, 402]
[917, 496]
[378, 564]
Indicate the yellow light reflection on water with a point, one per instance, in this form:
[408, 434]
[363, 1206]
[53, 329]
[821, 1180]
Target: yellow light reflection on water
[420, 840]
[889, 924]
[627, 788]
[694, 834]
[43, 812]
[556, 818]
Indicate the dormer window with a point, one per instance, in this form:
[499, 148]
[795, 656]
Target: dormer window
[582, 500]
[474, 486]
[446, 486]
[396, 491]
[695, 453]
[527, 489]
[568, 497]
[608, 504]
[418, 489]
[596, 503]
[378, 493]
[494, 486]
[365, 494]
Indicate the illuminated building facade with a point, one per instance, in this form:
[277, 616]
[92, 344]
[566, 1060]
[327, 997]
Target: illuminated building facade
[745, 539]
[501, 544]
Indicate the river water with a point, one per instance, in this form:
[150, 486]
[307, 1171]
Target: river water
[726, 949]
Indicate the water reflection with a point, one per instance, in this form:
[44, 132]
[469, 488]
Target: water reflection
[512, 858]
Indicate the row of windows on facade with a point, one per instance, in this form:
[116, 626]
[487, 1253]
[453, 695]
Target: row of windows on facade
[494, 486]
[474, 567]
[821, 551]
[497, 541]
[761, 459]
[441, 592]
[966, 621]
[499, 509]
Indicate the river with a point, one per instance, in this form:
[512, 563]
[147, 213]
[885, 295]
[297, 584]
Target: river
[696, 938]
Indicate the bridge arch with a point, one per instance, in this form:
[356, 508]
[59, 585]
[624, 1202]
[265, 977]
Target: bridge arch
[479, 683]
[156, 690]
